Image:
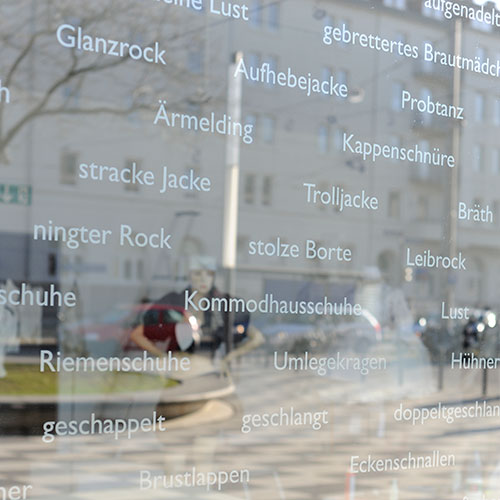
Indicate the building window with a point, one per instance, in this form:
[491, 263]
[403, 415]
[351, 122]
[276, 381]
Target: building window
[127, 269]
[341, 77]
[140, 270]
[425, 95]
[273, 66]
[328, 21]
[325, 186]
[424, 145]
[52, 264]
[397, 4]
[496, 213]
[338, 138]
[242, 248]
[397, 91]
[132, 186]
[251, 120]
[430, 12]
[193, 108]
[323, 134]
[495, 162]
[267, 190]
[274, 16]
[68, 168]
[423, 207]
[188, 193]
[267, 127]
[344, 22]
[496, 114]
[478, 158]
[71, 94]
[394, 205]
[253, 61]
[481, 53]
[480, 25]
[479, 107]
[400, 37]
[316, 261]
[249, 189]
[78, 265]
[395, 140]
[422, 171]
[326, 74]
[256, 12]
[427, 67]
[477, 201]
[195, 61]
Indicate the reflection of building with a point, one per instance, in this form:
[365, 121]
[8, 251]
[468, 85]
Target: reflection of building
[297, 139]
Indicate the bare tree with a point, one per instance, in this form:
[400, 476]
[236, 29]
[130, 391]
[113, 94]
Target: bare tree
[46, 79]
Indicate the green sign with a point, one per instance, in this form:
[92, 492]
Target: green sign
[15, 194]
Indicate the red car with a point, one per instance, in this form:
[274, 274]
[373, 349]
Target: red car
[164, 324]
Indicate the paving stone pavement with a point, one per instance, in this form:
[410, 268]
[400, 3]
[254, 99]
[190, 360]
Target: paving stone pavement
[293, 463]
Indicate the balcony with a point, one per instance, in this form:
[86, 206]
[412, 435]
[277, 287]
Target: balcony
[431, 125]
[428, 174]
[431, 72]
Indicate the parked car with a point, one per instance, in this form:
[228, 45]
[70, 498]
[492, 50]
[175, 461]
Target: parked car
[358, 334]
[111, 333]
[293, 337]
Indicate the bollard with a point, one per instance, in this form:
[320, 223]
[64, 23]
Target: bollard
[350, 486]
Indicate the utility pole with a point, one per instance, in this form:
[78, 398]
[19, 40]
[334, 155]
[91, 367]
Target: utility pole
[451, 232]
[231, 192]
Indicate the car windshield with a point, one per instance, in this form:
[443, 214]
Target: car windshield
[118, 315]
[173, 316]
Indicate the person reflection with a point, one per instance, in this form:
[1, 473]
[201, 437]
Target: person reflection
[213, 324]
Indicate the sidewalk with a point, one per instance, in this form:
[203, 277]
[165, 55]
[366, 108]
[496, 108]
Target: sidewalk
[292, 463]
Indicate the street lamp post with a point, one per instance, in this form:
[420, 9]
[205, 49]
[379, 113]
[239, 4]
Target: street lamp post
[451, 232]
[231, 192]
